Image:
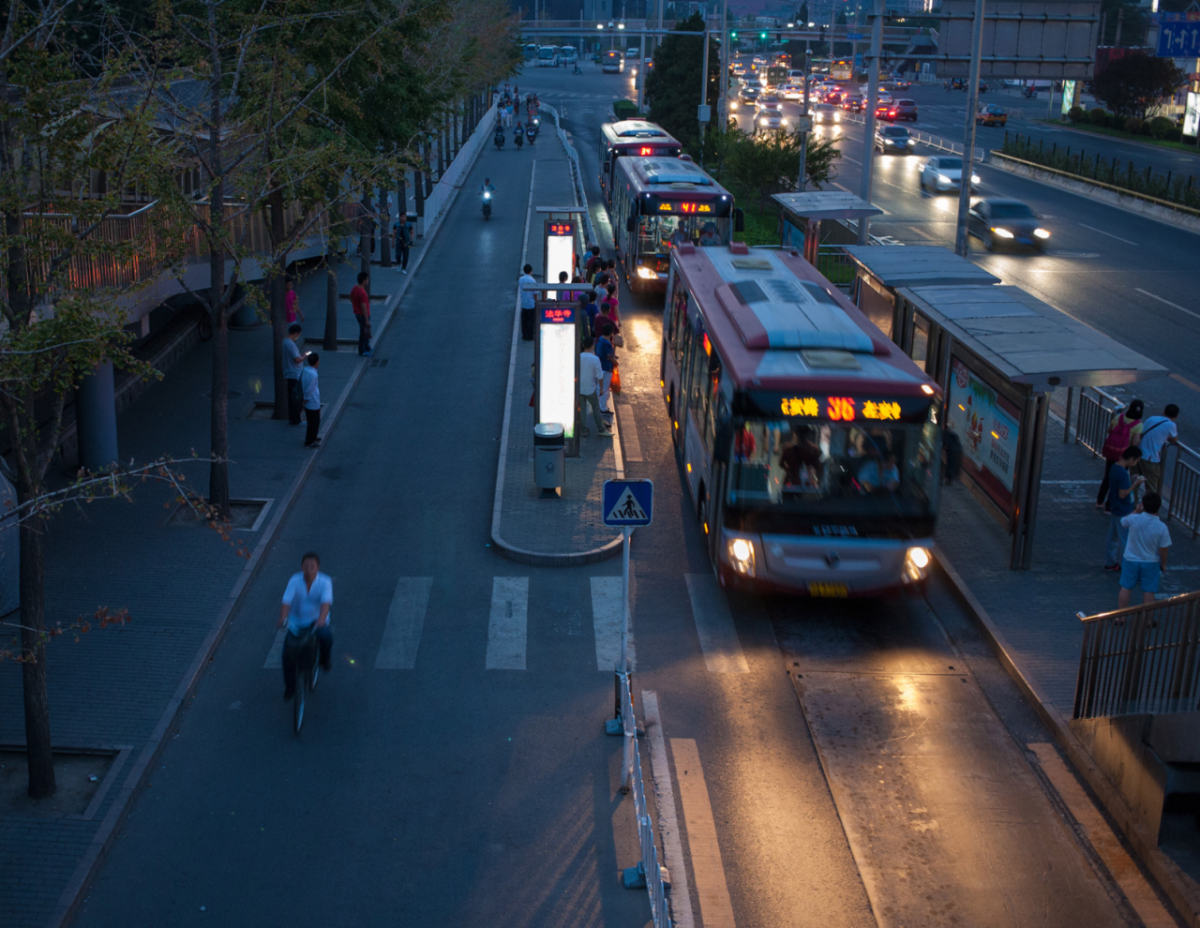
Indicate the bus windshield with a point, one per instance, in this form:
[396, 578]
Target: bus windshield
[658, 234]
[832, 470]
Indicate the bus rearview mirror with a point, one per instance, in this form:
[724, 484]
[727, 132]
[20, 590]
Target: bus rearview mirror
[739, 220]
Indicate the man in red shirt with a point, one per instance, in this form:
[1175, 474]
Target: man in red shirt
[361, 301]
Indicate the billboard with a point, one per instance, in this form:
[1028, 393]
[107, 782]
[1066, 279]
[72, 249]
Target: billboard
[1191, 117]
[1036, 49]
[989, 426]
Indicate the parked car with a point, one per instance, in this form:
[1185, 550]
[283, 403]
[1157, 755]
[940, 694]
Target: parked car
[893, 140]
[1006, 223]
[905, 109]
[943, 172]
[989, 114]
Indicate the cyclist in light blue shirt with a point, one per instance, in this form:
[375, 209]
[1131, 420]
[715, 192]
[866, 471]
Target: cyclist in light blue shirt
[306, 603]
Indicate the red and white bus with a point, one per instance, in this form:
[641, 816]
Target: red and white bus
[810, 443]
[631, 137]
[660, 203]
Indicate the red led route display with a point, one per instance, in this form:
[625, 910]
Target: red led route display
[560, 228]
[558, 314]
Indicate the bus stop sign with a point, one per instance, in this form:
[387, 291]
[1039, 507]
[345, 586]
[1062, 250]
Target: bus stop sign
[628, 502]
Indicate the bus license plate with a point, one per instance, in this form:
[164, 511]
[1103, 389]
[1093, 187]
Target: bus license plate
[831, 590]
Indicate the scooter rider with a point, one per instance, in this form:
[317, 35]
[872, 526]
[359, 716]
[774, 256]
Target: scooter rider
[519, 135]
[486, 187]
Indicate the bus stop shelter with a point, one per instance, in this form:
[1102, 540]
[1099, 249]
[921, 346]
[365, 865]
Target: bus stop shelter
[882, 269]
[997, 353]
[804, 212]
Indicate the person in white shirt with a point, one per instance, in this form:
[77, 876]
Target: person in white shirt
[1146, 551]
[591, 376]
[528, 297]
[306, 602]
[1157, 433]
[311, 388]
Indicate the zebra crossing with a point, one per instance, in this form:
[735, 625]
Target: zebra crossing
[508, 625]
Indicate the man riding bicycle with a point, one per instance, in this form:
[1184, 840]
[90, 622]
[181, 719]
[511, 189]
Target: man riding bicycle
[306, 603]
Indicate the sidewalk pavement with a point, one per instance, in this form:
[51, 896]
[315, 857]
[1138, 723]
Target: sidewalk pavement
[1031, 616]
[117, 691]
[526, 528]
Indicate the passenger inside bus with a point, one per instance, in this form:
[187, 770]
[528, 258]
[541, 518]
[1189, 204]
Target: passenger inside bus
[832, 464]
[658, 234]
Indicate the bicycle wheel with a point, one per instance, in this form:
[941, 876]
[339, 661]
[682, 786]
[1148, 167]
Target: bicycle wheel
[298, 705]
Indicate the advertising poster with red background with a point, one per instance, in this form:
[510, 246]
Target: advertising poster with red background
[988, 426]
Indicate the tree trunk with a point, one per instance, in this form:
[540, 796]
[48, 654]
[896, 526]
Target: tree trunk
[441, 147]
[402, 194]
[218, 472]
[419, 189]
[365, 234]
[426, 164]
[385, 229]
[39, 750]
[278, 304]
[464, 113]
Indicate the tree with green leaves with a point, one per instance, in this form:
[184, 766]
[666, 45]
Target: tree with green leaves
[673, 84]
[1137, 82]
[762, 165]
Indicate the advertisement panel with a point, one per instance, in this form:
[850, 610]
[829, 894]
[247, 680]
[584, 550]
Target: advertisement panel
[557, 357]
[989, 426]
[1068, 97]
[1191, 117]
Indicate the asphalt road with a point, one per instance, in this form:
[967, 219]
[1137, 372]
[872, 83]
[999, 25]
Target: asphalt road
[830, 764]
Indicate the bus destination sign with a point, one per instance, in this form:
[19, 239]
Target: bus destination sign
[678, 206]
[859, 410]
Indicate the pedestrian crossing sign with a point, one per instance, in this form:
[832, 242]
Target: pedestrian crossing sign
[628, 502]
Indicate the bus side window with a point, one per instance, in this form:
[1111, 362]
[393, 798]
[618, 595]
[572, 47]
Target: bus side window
[687, 349]
[678, 323]
[697, 377]
[710, 399]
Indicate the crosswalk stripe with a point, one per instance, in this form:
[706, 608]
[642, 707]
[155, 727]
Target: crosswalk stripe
[405, 622]
[607, 602]
[714, 625]
[507, 623]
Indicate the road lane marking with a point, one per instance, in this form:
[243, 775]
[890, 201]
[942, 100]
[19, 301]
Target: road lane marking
[607, 600]
[1139, 893]
[1185, 382]
[716, 908]
[629, 436]
[668, 821]
[1155, 296]
[714, 625]
[923, 234]
[1084, 225]
[405, 622]
[507, 623]
[275, 656]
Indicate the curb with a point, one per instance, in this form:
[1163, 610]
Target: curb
[1173, 882]
[502, 547]
[72, 896]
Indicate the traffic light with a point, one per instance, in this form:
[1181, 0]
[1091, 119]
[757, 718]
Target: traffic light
[763, 36]
[733, 35]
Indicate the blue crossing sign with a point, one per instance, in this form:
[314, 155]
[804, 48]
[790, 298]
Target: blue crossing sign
[628, 502]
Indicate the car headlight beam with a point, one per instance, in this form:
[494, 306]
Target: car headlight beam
[1041, 233]
[1003, 233]
[741, 556]
[646, 273]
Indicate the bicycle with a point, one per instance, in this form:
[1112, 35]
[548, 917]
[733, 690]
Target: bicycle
[304, 650]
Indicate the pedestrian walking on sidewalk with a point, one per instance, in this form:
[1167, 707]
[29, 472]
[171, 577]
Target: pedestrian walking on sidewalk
[292, 302]
[306, 602]
[1121, 487]
[1157, 433]
[1146, 550]
[591, 377]
[311, 388]
[360, 299]
[293, 364]
[404, 239]
[1124, 431]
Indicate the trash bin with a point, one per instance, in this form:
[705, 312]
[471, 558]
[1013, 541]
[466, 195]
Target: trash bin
[548, 457]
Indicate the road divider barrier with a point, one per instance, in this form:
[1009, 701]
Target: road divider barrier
[648, 872]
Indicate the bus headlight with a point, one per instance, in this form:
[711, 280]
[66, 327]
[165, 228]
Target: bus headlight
[916, 563]
[646, 273]
[741, 555]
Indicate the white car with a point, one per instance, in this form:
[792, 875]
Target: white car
[768, 120]
[884, 96]
[944, 172]
[791, 92]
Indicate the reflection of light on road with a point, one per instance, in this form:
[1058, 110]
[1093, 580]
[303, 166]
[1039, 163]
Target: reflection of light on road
[944, 204]
[907, 693]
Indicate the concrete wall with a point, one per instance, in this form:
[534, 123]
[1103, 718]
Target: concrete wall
[1119, 747]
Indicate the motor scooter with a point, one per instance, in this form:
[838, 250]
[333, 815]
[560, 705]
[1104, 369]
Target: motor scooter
[498, 138]
[487, 205]
[531, 131]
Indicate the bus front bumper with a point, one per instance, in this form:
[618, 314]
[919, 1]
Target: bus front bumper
[831, 567]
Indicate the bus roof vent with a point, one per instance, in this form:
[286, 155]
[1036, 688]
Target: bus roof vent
[748, 291]
[675, 172]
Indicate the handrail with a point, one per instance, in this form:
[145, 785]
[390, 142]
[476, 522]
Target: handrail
[1141, 659]
[1183, 500]
[1092, 421]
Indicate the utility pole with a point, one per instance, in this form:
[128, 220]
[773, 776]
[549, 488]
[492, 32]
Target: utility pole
[726, 60]
[803, 181]
[702, 114]
[872, 102]
[961, 246]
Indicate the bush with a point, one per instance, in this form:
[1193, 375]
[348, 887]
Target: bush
[1077, 114]
[1098, 116]
[1134, 125]
[1160, 127]
[624, 109]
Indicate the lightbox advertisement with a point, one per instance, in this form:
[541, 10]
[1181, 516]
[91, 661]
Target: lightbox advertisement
[988, 426]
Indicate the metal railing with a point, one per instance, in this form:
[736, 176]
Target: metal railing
[1096, 411]
[1140, 659]
[1180, 489]
[632, 780]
